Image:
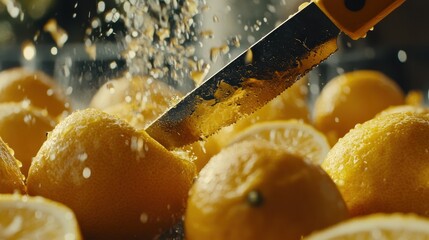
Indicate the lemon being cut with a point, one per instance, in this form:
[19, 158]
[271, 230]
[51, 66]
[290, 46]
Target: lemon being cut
[291, 104]
[255, 190]
[24, 217]
[382, 165]
[120, 182]
[377, 226]
[353, 98]
[404, 108]
[293, 136]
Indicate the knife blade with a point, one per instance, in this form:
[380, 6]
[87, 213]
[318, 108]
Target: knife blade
[265, 70]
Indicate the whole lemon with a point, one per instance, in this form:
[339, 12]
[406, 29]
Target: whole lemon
[24, 129]
[40, 90]
[255, 190]
[382, 165]
[291, 104]
[353, 98]
[120, 183]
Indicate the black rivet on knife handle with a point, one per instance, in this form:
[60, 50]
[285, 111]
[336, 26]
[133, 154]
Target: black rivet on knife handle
[354, 5]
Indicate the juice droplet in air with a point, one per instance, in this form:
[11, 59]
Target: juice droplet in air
[144, 218]
[249, 57]
[59, 35]
[28, 50]
[214, 54]
[207, 34]
[86, 173]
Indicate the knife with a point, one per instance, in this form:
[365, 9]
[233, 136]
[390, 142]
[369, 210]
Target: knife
[267, 68]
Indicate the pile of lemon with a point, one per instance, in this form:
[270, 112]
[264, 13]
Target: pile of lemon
[355, 166]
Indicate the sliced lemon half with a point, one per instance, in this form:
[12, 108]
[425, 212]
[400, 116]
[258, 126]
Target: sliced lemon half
[294, 136]
[377, 226]
[24, 217]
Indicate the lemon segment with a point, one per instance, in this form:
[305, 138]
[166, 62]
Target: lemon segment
[293, 136]
[23, 217]
[377, 226]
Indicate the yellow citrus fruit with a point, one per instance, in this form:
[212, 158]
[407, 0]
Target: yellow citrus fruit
[404, 108]
[24, 129]
[293, 136]
[415, 98]
[202, 151]
[24, 217]
[137, 100]
[291, 104]
[353, 98]
[120, 183]
[40, 90]
[377, 226]
[11, 178]
[255, 190]
[382, 165]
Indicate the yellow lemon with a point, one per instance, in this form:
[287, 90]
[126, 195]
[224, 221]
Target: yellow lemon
[136, 115]
[202, 151]
[35, 87]
[293, 136]
[383, 165]
[404, 108]
[291, 104]
[24, 129]
[415, 98]
[120, 183]
[23, 217]
[254, 190]
[377, 226]
[11, 178]
[353, 98]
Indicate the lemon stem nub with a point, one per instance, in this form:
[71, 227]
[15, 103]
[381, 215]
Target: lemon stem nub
[255, 198]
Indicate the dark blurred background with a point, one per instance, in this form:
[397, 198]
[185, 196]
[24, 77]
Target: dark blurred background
[399, 45]
[73, 16]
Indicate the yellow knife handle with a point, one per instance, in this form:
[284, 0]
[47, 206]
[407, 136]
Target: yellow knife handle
[356, 17]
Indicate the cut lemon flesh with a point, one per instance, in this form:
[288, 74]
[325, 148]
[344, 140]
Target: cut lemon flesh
[294, 136]
[377, 226]
[23, 217]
